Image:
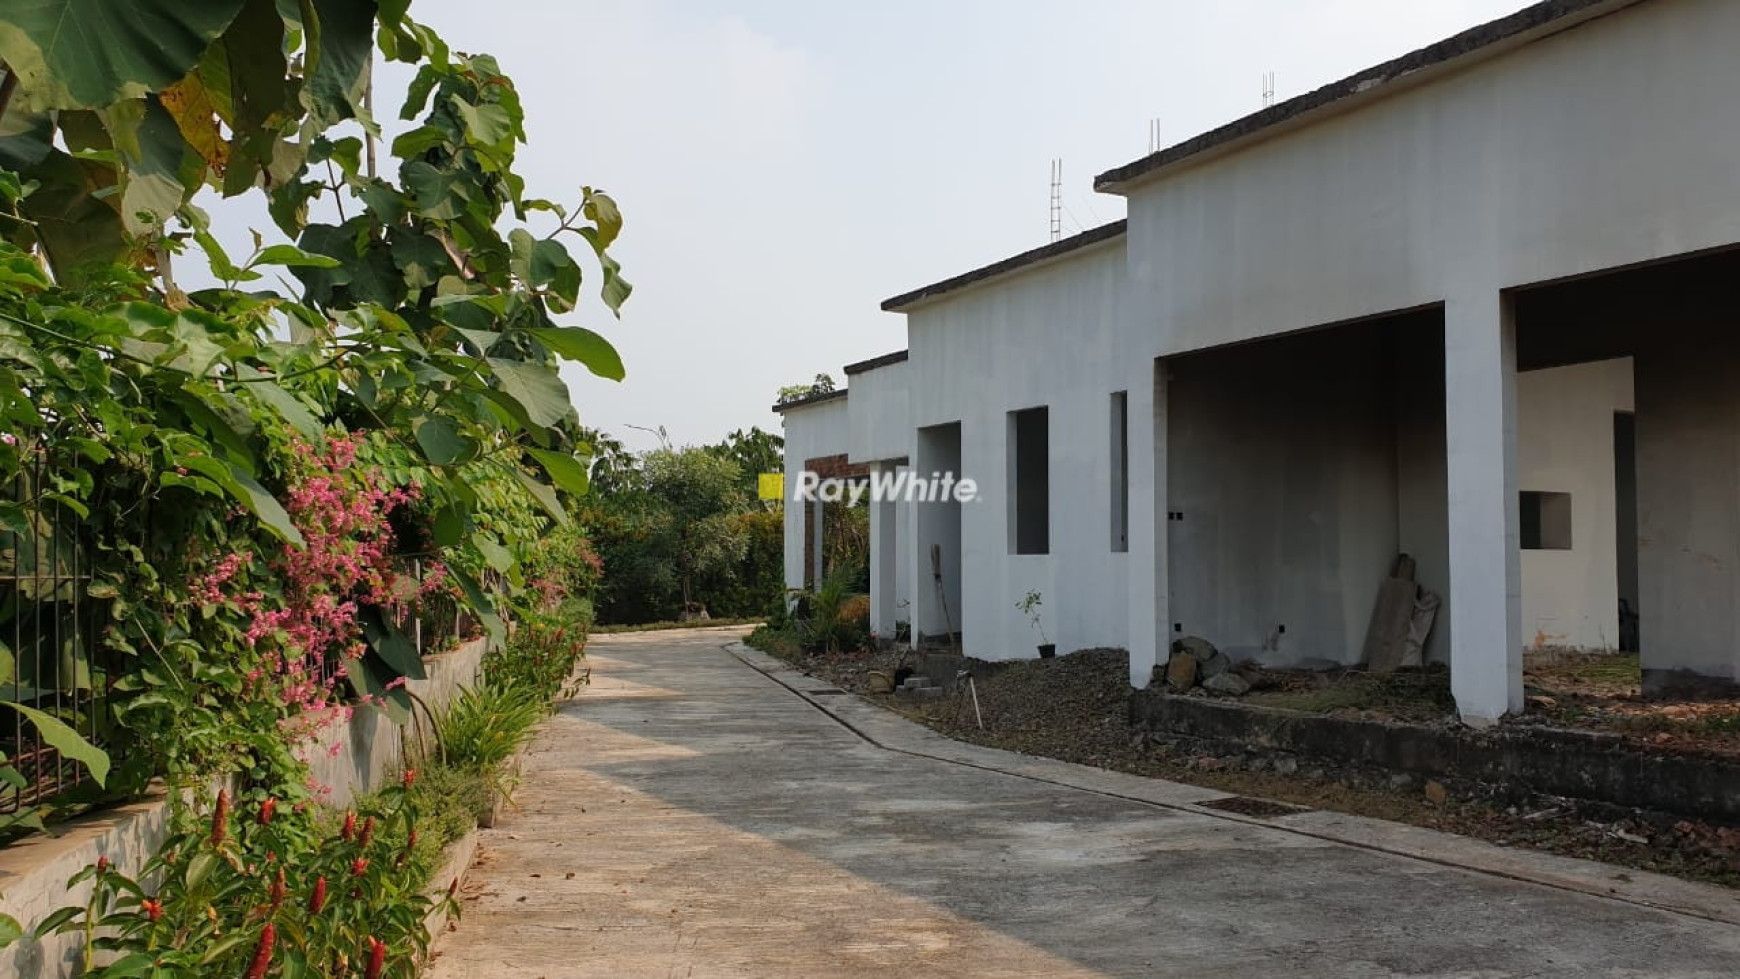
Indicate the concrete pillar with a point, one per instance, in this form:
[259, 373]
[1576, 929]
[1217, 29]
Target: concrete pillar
[913, 553]
[818, 546]
[794, 521]
[1149, 605]
[1485, 565]
[884, 556]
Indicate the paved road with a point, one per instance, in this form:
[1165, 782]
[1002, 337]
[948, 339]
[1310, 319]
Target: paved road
[690, 817]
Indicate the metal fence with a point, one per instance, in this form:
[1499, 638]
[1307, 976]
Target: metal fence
[47, 649]
[51, 654]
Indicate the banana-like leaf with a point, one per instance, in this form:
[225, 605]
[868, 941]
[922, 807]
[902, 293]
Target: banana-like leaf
[73, 54]
[67, 741]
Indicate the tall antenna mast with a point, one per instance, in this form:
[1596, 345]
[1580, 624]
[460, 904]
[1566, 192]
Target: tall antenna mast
[1056, 199]
[1268, 89]
[1154, 135]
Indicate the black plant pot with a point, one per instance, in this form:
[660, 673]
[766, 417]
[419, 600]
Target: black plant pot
[1047, 650]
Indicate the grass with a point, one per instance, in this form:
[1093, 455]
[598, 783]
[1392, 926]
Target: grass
[660, 626]
[1404, 696]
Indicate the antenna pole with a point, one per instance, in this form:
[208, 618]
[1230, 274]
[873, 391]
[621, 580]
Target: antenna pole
[1056, 199]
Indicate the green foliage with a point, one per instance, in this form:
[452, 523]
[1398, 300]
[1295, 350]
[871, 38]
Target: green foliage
[486, 724]
[823, 384]
[254, 882]
[171, 429]
[681, 529]
[755, 452]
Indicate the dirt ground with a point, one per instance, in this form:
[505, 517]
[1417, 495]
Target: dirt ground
[1075, 708]
[1605, 693]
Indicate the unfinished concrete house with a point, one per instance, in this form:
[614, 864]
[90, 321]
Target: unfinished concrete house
[1477, 305]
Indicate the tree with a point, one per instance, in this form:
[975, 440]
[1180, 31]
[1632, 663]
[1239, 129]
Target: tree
[823, 384]
[755, 452]
[696, 492]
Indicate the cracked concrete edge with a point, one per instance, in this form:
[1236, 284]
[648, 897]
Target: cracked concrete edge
[889, 730]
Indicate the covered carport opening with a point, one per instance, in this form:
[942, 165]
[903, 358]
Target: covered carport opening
[1628, 463]
[1298, 468]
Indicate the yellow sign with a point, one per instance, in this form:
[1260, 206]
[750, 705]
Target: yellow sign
[770, 486]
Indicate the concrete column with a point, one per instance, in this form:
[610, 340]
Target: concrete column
[1150, 614]
[794, 521]
[912, 552]
[818, 548]
[1485, 565]
[884, 556]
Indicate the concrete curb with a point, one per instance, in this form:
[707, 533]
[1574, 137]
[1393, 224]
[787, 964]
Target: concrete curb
[460, 856]
[888, 730]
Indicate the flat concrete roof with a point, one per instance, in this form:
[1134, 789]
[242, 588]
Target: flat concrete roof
[886, 360]
[1037, 256]
[809, 399]
[1494, 37]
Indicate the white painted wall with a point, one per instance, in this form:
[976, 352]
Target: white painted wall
[1565, 445]
[880, 414]
[1043, 337]
[1598, 147]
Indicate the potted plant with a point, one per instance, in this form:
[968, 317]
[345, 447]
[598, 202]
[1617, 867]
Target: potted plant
[1029, 607]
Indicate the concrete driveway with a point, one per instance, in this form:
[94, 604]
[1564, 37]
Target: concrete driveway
[689, 816]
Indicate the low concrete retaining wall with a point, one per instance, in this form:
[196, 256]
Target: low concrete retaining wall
[372, 745]
[1576, 764]
[34, 871]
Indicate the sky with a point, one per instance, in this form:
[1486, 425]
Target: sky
[785, 165]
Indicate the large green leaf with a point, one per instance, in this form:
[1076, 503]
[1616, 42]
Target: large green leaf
[68, 742]
[580, 344]
[565, 471]
[282, 401]
[344, 50]
[85, 53]
[537, 388]
[442, 442]
[75, 225]
[10, 930]
[480, 603]
[544, 494]
[394, 648]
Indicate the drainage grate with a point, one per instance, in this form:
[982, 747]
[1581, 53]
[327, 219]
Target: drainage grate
[1260, 808]
[824, 692]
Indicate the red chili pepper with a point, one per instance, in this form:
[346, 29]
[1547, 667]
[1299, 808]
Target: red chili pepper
[317, 900]
[220, 818]
[377, 958]
[263, 953]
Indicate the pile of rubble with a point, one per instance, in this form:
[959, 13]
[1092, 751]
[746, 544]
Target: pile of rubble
[1196, 663]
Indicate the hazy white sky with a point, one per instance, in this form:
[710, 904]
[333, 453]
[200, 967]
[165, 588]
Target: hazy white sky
[785, 165]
